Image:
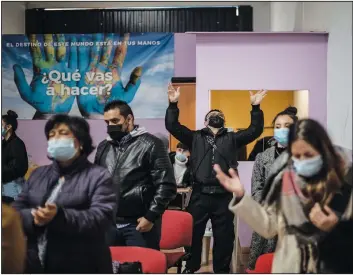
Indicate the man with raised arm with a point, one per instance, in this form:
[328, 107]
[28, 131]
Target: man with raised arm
[210, 145]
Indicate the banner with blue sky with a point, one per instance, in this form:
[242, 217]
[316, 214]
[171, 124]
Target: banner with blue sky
[78, 74]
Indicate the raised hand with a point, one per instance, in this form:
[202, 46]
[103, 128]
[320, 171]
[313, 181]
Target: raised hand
[232, 183]
[173, 94]
[256, 99]
[95, 64]
[36, 94]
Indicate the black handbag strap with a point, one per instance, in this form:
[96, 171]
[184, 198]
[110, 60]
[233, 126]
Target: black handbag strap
[211, 142]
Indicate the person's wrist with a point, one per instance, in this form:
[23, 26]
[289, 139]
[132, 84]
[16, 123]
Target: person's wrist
[240, 194]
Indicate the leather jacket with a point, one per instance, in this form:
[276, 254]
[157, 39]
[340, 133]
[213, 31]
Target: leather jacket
[142, 173]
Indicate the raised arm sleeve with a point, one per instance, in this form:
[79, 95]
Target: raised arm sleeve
[172, 124]
[255, 129]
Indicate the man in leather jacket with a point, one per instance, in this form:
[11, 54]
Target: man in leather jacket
[143, 175]
[212, 145]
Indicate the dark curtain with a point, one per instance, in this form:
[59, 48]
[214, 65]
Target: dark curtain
[213, 19]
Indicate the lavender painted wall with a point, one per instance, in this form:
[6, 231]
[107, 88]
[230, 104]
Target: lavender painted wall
[32, 133]
[252, 61]
[245, 231]
[185, 55]
[273, 61]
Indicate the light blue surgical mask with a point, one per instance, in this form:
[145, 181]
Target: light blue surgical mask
[181, 157]
[281, 136]
[308, 167]
[3, 131]
[62, 149]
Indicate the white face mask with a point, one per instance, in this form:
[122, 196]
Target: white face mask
[308, 167]
[281, 136]
[181, 157]
[62, 149]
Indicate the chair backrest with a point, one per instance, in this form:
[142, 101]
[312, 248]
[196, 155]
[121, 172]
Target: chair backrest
[176, 229]
[263, 264]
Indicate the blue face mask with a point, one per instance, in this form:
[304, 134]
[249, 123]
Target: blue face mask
[308, 167]
[181, 157]
[281, 136]
[3, 131]
[62, 149]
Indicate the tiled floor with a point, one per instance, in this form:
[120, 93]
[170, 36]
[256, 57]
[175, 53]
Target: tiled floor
[207, 268]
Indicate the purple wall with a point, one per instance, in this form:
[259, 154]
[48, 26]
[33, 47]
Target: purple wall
[32, 133]
[229, 61]
[245, 172]
[185, 55]
[252, 61]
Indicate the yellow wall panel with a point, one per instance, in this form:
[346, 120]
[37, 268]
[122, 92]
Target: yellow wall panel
[236, 107]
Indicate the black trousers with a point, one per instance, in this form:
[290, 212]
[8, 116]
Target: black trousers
[215, 207]
[128, 236]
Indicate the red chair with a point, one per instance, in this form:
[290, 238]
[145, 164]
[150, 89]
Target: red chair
[263, 264]
[152, 261]
[176, 233]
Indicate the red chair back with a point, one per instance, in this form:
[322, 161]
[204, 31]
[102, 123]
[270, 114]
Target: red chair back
[176, 229]
[263, 264]
[152, 261]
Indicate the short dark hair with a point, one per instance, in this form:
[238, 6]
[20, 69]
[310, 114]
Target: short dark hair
[11, 119]
[123, 107]
[290, 111]
[78, 126]
[213, 110]
[182, 146]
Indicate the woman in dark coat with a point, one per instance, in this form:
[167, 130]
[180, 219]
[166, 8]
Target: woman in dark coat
[14, 158]
[67, 206]
[262, 167]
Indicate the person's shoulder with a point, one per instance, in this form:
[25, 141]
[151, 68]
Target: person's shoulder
[265, 155]
[269, 152]
[150, 139]
[41, 170]
[17, 140]
[8, 216]
[102, 143]
[172, 157]
[96, 169]
[97, 172]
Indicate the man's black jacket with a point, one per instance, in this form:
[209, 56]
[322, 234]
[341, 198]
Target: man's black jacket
[143, 175]
[203, 155]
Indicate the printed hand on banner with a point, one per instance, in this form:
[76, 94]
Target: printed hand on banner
[46, 96]
[109, 87]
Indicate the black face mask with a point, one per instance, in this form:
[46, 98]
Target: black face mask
[216, 122]
[116, 132]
